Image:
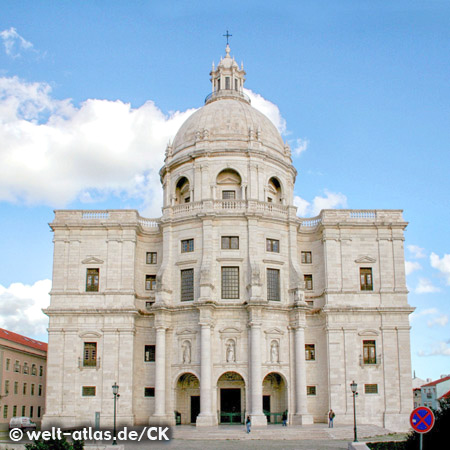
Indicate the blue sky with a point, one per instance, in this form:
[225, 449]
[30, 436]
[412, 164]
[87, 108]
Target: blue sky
[90, 93]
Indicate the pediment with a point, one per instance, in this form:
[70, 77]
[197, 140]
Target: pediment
[92, 260]
[365, 259]
[90, 334]
[368, 333]
[274, 330]
[230, 330]
[229, 180]
[186, 332]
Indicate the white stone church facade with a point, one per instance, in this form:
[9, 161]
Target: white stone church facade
[229, 304]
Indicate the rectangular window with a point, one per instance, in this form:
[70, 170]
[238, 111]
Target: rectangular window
[149, 353]
[24, 391]
[41, 371]
[23, 410]
[92, 277]
[310, 390]
[230, 242]
[40, 390]
[228, 195]
[306, 258]
[230, 282]
[187, 285]
[32, 389]
[6, 386]
[15, 411]
[273, 245]
[26, 369]
[187, 245]
[273, 284]
[365, 275]
[33, 370]
[371, 388]
[31, 411]
[151, 258]
[149, 392]
[369, 352]
[39, 411]
[150, 282]
[8, 362]
[90, 354]
[16, 387]
[88, 391]
[5, 411]
[17, 367]
[227, 82]
[308, 282]
[310, 352]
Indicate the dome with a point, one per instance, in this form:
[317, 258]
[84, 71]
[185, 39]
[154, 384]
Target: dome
[224, 120]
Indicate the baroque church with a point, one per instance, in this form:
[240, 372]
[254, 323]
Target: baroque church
[229, 304]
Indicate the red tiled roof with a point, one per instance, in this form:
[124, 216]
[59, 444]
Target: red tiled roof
[433, 383]
[446, 395]
[23, 340]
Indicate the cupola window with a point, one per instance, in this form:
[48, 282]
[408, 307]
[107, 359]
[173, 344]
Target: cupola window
[182, 191]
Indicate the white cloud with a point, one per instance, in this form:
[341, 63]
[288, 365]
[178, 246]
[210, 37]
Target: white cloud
[425, 286]
[440, 349]
[411, 266]
[53, 152]
[268, 108]
[20, 308]
[301, 145]
[441, 264]
[416, 251]
[441, 321]
[331, 200]
[14, 43]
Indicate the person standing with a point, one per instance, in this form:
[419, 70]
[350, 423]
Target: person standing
[248, 423]
[284, 419]
[331, 417]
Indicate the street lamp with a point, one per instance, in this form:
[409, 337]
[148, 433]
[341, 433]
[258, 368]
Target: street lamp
[115, 389]
[353, 387]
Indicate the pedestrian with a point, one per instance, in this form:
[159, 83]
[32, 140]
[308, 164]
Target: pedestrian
[248, 423]
[331, 416]
[284, 419]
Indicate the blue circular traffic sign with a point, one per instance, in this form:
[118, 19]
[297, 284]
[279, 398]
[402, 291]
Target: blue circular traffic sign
[422, 419]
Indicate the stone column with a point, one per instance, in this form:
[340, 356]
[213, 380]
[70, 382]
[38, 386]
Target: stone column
[256, 415]
[301, 416]
[206, 416]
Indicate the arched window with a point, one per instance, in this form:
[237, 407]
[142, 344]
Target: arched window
[182, 191]
[274, 191]
[229, 185]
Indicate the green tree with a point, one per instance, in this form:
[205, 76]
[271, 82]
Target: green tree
[55, 444]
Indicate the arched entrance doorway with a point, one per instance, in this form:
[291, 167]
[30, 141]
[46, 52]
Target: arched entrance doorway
[274, 397]
[231, 398]
[187, 402]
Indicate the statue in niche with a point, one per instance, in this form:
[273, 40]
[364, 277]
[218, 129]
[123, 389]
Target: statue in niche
[186, 352]
[274, 352]
[231, 351]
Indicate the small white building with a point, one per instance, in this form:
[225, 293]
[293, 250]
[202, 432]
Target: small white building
[434, 391]
[229, 304]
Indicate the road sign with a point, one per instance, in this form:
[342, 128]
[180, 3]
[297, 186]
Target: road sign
[422, 419]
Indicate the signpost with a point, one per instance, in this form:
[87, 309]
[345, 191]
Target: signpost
[422, 421]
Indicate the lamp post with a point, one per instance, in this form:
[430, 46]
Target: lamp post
[115, 389]
[353, 387]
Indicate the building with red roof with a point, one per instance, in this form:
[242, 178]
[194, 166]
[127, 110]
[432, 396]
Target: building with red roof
[434, 391]
[23, 367]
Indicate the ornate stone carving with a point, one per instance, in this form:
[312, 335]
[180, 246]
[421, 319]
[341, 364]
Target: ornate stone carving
[231, 351]
[274, 352]
[186, 352]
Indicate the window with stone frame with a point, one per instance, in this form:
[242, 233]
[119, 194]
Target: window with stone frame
[34, 370]
[273, 284]
[16, 387]
[150, 282]
[187, 245]
[40, 390]
[187, 285]
[24, 391]
[365, 275]
[17, 367]
[15, 411]
[369, 352]
[41, 371]
[151, 257]
[90, 354]
[371, 389]
[308, 282]
[26, 368]
[273, 245]
[32, 390]
[306, 258]
[149, 392]
[39, 411]
[6, 386]
[310, 352]
[31, 411]
[230, 242]
[230, 283]
[228, 195]
[149, 353]
[92, 280]
[5, 411]
[88, 391]
[23, 410]
[310, 390]
[8, 363]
